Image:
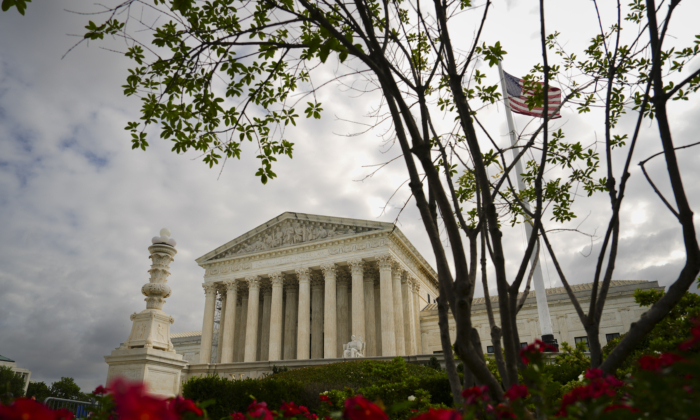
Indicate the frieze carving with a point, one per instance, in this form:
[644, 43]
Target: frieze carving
[228, 268]
[225, 268]
[292, 232]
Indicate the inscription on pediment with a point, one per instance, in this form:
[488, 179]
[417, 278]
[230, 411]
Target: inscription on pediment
[231, 267]
[291, 232]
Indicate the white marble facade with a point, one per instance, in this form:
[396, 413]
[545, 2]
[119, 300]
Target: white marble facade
[298, 286]
[619, 313]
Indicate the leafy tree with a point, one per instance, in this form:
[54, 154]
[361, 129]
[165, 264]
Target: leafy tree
[39, 390]
[66, 388]
[11, 384]
[218, 73]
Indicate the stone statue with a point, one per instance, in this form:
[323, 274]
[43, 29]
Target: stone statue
[355, 348]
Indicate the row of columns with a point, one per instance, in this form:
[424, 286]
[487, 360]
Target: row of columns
[309, 318]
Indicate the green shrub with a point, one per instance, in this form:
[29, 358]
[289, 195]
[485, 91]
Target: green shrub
[279, 369]
[434, 364]
[391, 382]
[11, 384]
[39, 390]
[235, 396]
[569, 364]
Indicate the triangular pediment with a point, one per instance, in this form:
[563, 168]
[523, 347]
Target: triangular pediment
[292, 229]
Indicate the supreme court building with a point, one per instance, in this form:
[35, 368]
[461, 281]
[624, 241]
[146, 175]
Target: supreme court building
[299, 286]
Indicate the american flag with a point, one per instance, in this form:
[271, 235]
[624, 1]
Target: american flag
[517, 98]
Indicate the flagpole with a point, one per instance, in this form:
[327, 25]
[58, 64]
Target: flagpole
[540, 293]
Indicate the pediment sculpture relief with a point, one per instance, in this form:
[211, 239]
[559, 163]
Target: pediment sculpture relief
[291, 233]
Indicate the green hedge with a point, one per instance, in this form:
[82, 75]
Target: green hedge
[232, 396]
[390, 382]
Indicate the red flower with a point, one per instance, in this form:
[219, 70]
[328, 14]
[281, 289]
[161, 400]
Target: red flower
[594, 373]
[599, 386]
[100, 390]
[238, 416]
[256, 409]
[325, 399]
[533, 349]
[132, 402]
[358, 408]
[475, 393]
[504, 412]
[657, 363]
[517, 391]
[613, 407]
[694, 337]
[181, 406]
[441, 414]
[292, 410]
[28, 409]
[63, 414]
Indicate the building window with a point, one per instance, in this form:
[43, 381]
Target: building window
[583, 340]
[428, 297]
[489, 349]
[611, 337]
[523, 345]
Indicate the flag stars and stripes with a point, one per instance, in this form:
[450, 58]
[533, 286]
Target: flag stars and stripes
[518, 97]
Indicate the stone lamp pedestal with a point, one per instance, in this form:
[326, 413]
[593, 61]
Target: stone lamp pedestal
[147, 355]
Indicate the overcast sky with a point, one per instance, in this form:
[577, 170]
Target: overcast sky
[78, 207]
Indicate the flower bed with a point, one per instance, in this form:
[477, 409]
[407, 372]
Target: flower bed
[664, 386]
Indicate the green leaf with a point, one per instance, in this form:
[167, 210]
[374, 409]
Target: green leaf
[182, 5]
[21, 5]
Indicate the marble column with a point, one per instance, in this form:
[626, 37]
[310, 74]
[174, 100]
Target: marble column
[343, 321]
[407, 304]
[284, 322]
[417, 307]
[275, 322]
[291, 320]
[330, 314]
[358, 299]
[230, 321]
[303, 314]
[386, 290]
[266, 326]
[370, 327]
[242, 315]
[208, 324]
[377, 316]
[243, 323]
[317, 315]
[222, 319]
[258, 343]
[396, 275]
[251, 330]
